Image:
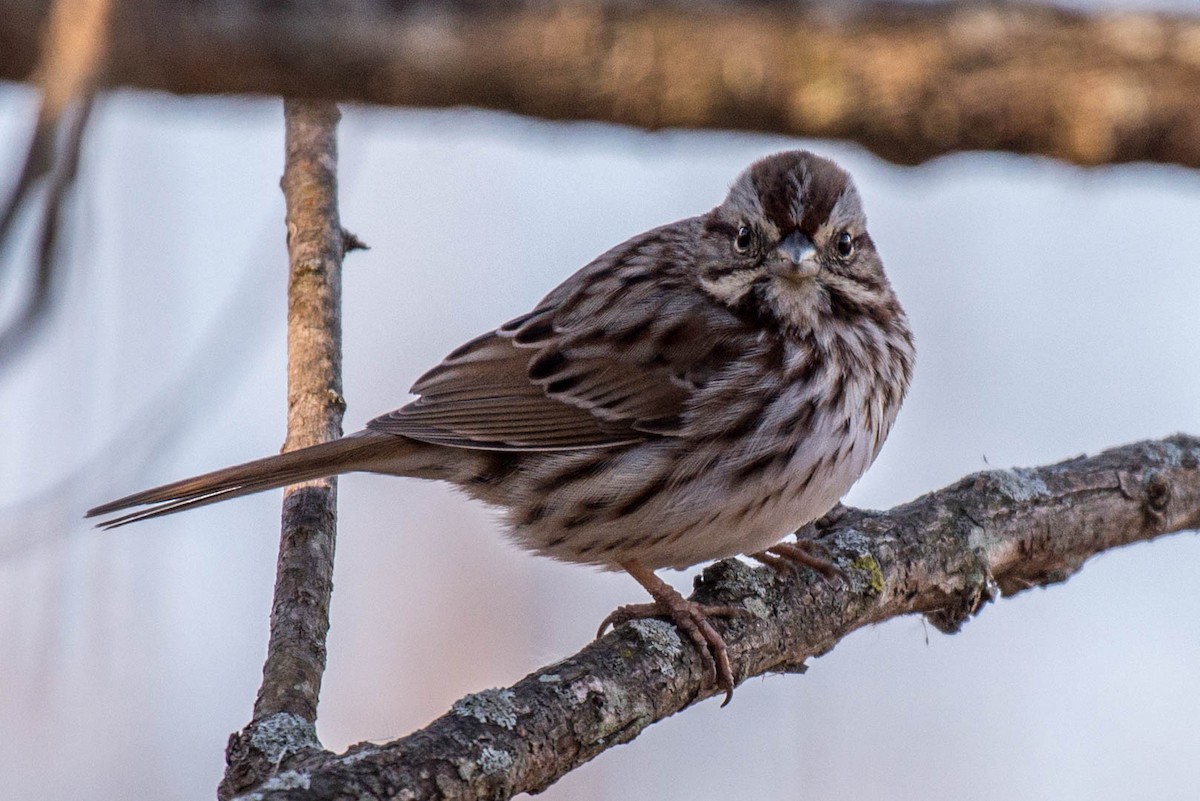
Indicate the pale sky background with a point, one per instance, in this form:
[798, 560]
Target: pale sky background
[1055, 311]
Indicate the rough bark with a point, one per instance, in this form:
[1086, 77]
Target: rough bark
[909, 82]
[943, 555]
[286, 708]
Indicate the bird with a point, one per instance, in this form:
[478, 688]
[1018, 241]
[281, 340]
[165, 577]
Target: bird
[700, 391]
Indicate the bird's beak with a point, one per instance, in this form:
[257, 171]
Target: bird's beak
[794, 258]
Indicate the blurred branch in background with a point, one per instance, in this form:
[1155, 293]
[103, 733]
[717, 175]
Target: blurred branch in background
[943, 555]
[908, 81]
[286, 706]
[70, 63]
[217, 361]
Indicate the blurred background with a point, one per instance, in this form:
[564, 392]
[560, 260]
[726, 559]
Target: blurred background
[1055, 314]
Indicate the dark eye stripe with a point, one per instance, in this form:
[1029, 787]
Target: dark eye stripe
[720, 227]
[715, 271]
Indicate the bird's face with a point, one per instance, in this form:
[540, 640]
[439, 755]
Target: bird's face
[790, 243]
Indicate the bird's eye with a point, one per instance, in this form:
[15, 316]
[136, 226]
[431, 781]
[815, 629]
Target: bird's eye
[744, 239]
[845, 244]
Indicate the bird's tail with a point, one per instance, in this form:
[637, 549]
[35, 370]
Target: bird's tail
[369, 451]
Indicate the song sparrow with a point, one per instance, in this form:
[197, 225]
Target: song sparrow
[699, 391]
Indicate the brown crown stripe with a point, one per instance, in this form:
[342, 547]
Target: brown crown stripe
[823, 183]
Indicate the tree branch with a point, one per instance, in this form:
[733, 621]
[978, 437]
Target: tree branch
[908, 81]
[943, 555]
[72, 57]
[286, 708]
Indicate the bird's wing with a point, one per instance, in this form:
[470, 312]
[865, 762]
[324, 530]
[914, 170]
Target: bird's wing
[614, 355]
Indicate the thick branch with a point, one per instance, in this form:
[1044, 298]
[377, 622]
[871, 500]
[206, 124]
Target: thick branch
[908, 81]
[287, 700]
[943, 555]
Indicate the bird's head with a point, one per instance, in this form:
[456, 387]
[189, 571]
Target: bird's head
[790, 243]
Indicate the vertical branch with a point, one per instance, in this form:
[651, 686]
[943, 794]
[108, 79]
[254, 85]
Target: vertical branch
[304, 582]
[286, 707]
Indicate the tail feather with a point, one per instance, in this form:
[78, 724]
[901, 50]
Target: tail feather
[365, 451]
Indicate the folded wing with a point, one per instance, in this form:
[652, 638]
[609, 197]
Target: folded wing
[617, 354]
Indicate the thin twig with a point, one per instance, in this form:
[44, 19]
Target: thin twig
[943, 555]
[286, 707]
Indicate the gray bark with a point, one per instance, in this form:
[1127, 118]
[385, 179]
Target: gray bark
[943, 555]
[291, 686]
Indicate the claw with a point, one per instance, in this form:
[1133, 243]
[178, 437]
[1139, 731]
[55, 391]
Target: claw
[691, 618]
[792, 556]
[776, 562]
[801, 552]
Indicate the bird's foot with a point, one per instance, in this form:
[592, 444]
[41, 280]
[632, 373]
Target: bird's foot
[691, 618]
[791, 557]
